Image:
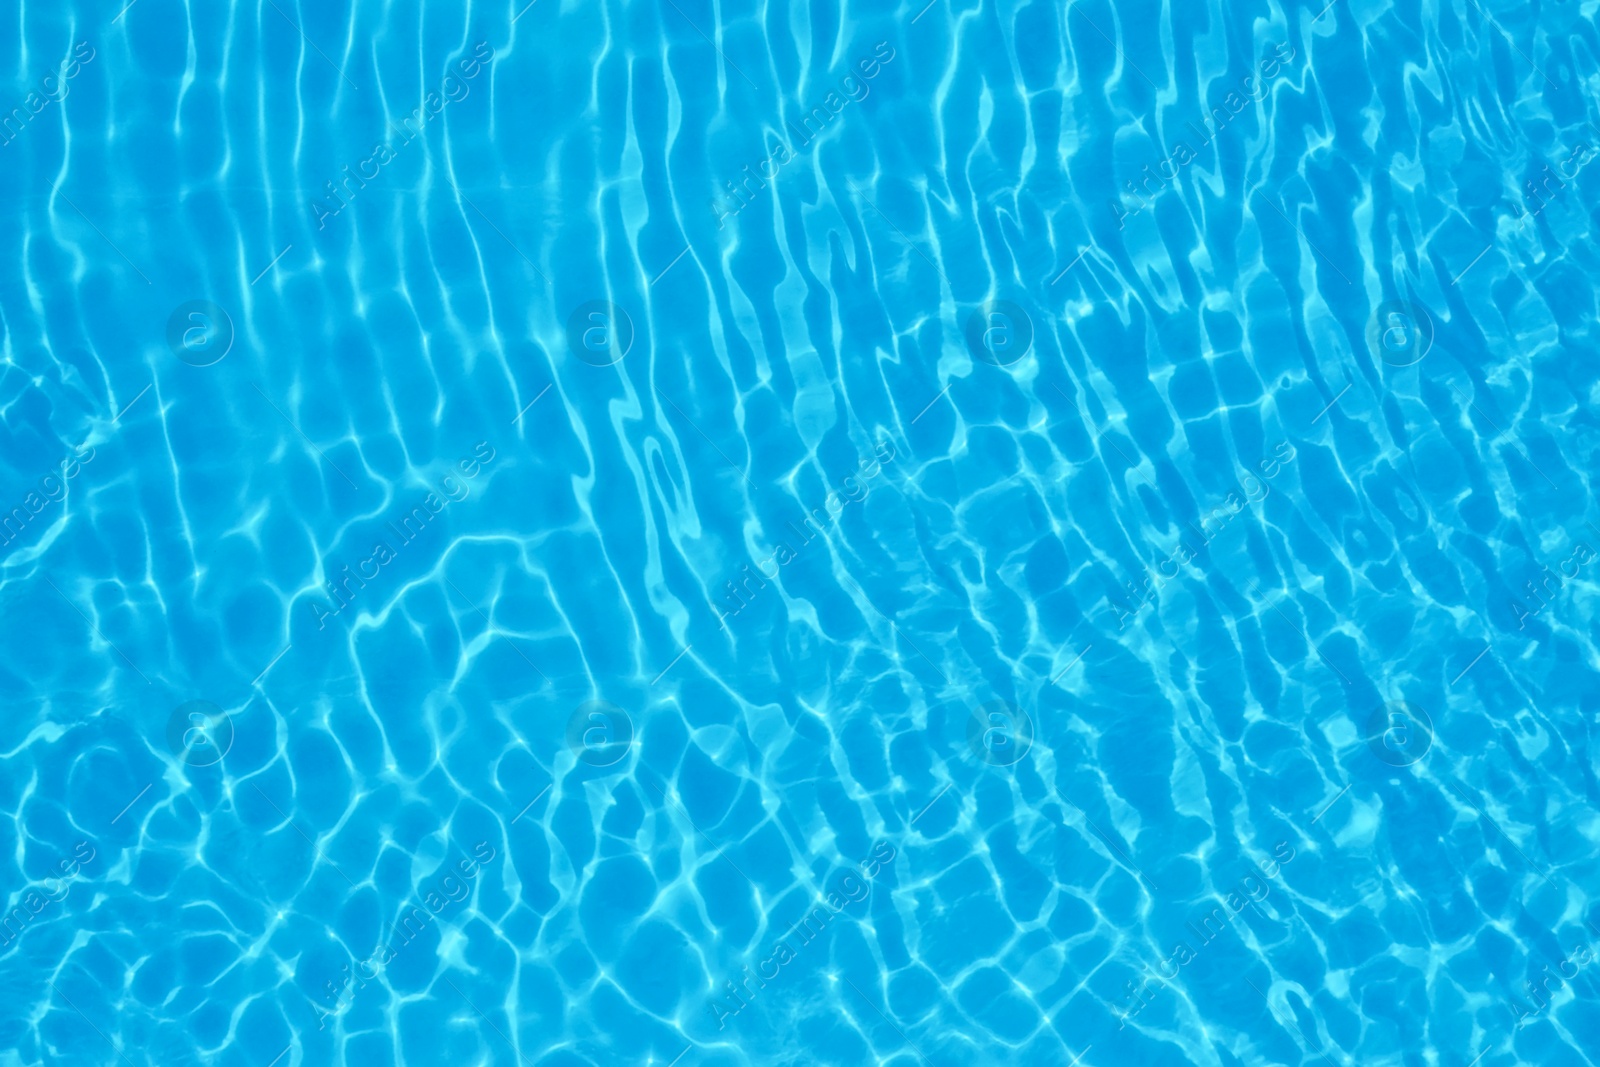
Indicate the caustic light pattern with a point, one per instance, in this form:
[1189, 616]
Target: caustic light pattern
[739, 534]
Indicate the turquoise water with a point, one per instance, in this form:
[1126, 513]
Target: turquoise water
[695, 533]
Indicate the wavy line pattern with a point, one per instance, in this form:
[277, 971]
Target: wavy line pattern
[708, 533]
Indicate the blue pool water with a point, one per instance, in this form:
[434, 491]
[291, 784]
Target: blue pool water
[741, 534]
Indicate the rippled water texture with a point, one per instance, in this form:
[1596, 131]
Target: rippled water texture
[711, 533]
